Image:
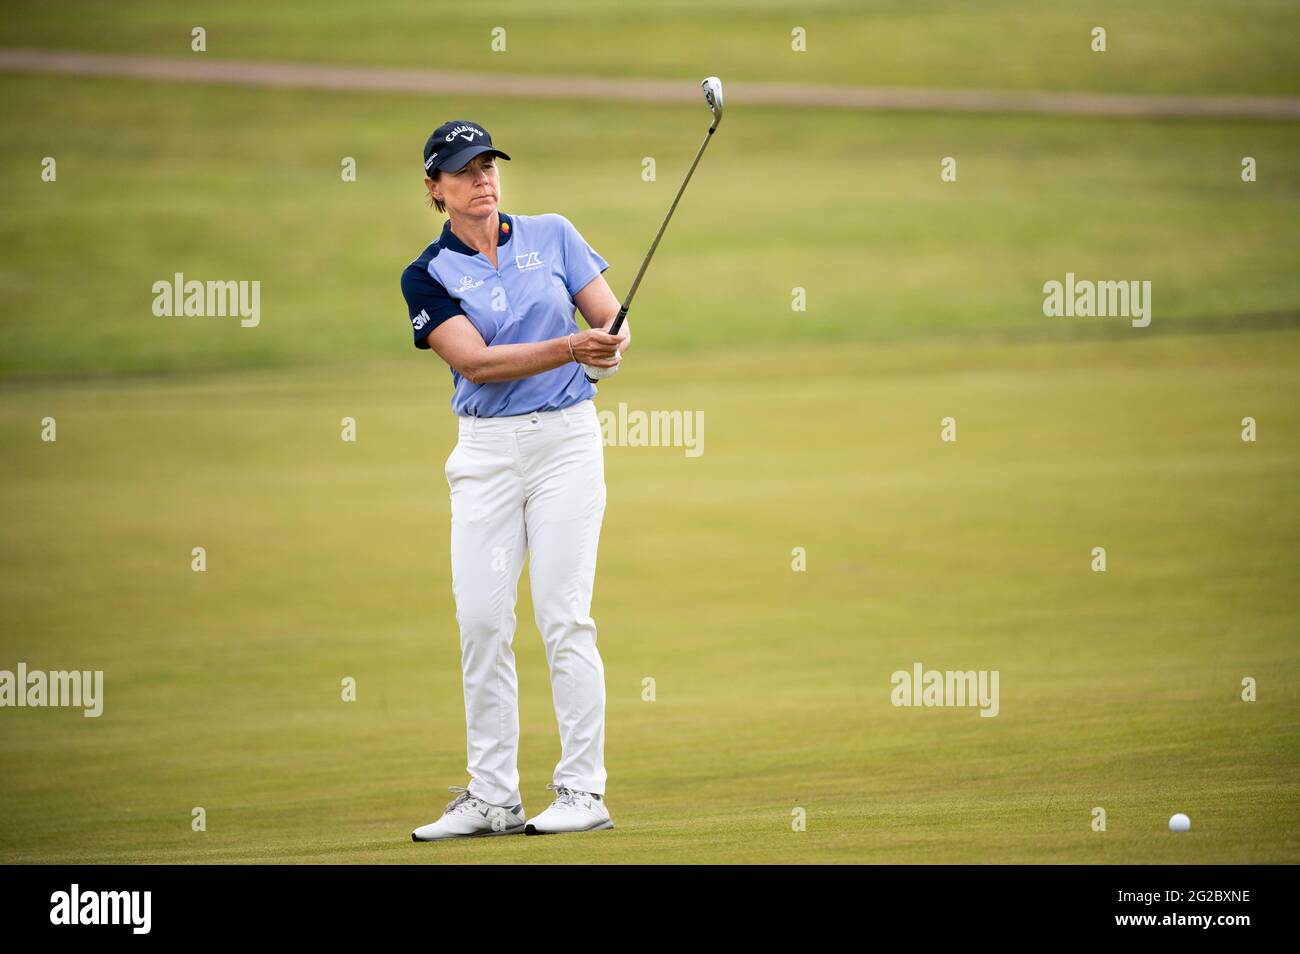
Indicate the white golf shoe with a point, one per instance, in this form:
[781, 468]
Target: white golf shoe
[468, 816]
[571, 811]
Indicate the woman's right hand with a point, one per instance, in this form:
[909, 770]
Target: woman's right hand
[595, 348]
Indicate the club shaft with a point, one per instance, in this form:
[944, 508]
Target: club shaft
[627, 302]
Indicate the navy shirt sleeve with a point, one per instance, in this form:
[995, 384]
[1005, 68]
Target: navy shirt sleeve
[581, 262]
[427, 302]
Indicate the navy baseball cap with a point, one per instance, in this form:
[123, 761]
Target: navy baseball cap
[455, 143]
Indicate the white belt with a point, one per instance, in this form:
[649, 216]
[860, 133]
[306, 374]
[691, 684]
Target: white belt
[529, 421]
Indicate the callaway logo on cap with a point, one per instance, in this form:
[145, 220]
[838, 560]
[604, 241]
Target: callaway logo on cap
[455, 143]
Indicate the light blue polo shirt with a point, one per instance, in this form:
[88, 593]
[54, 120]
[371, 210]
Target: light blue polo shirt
[543, 261]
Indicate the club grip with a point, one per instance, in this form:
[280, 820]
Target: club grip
[613, 330]
[618, 322]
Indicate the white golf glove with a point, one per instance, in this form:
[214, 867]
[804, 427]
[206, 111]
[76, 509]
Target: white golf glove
[599, 373]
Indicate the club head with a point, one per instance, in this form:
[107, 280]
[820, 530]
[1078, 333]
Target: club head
[712, 87]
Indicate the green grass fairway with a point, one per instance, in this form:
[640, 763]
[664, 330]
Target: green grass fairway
[328, 559]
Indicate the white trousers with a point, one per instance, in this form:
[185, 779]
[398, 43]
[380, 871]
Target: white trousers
[531, 484]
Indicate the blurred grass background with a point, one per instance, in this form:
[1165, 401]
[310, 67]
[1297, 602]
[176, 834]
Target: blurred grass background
[1165, 46]
[225, 183]
[329, 559]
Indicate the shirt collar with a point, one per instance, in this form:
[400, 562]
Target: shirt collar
[449, 239]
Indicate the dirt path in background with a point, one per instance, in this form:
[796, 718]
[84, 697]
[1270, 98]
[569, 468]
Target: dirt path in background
[201, 69]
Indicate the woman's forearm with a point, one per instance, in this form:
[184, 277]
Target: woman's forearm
[510, 362]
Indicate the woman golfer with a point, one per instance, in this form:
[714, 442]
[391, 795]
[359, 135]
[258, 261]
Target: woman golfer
[494, 296]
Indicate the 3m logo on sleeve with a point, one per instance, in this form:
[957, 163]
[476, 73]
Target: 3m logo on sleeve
[528, 260]
[421, 319]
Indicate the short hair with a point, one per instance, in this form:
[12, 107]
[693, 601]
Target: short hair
[442, 207]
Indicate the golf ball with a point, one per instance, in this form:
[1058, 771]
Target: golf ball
[1180, 822]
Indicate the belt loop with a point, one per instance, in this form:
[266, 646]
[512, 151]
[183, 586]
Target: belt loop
[472, 419]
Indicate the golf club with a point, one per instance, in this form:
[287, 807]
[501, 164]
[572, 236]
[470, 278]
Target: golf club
[712, 87]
